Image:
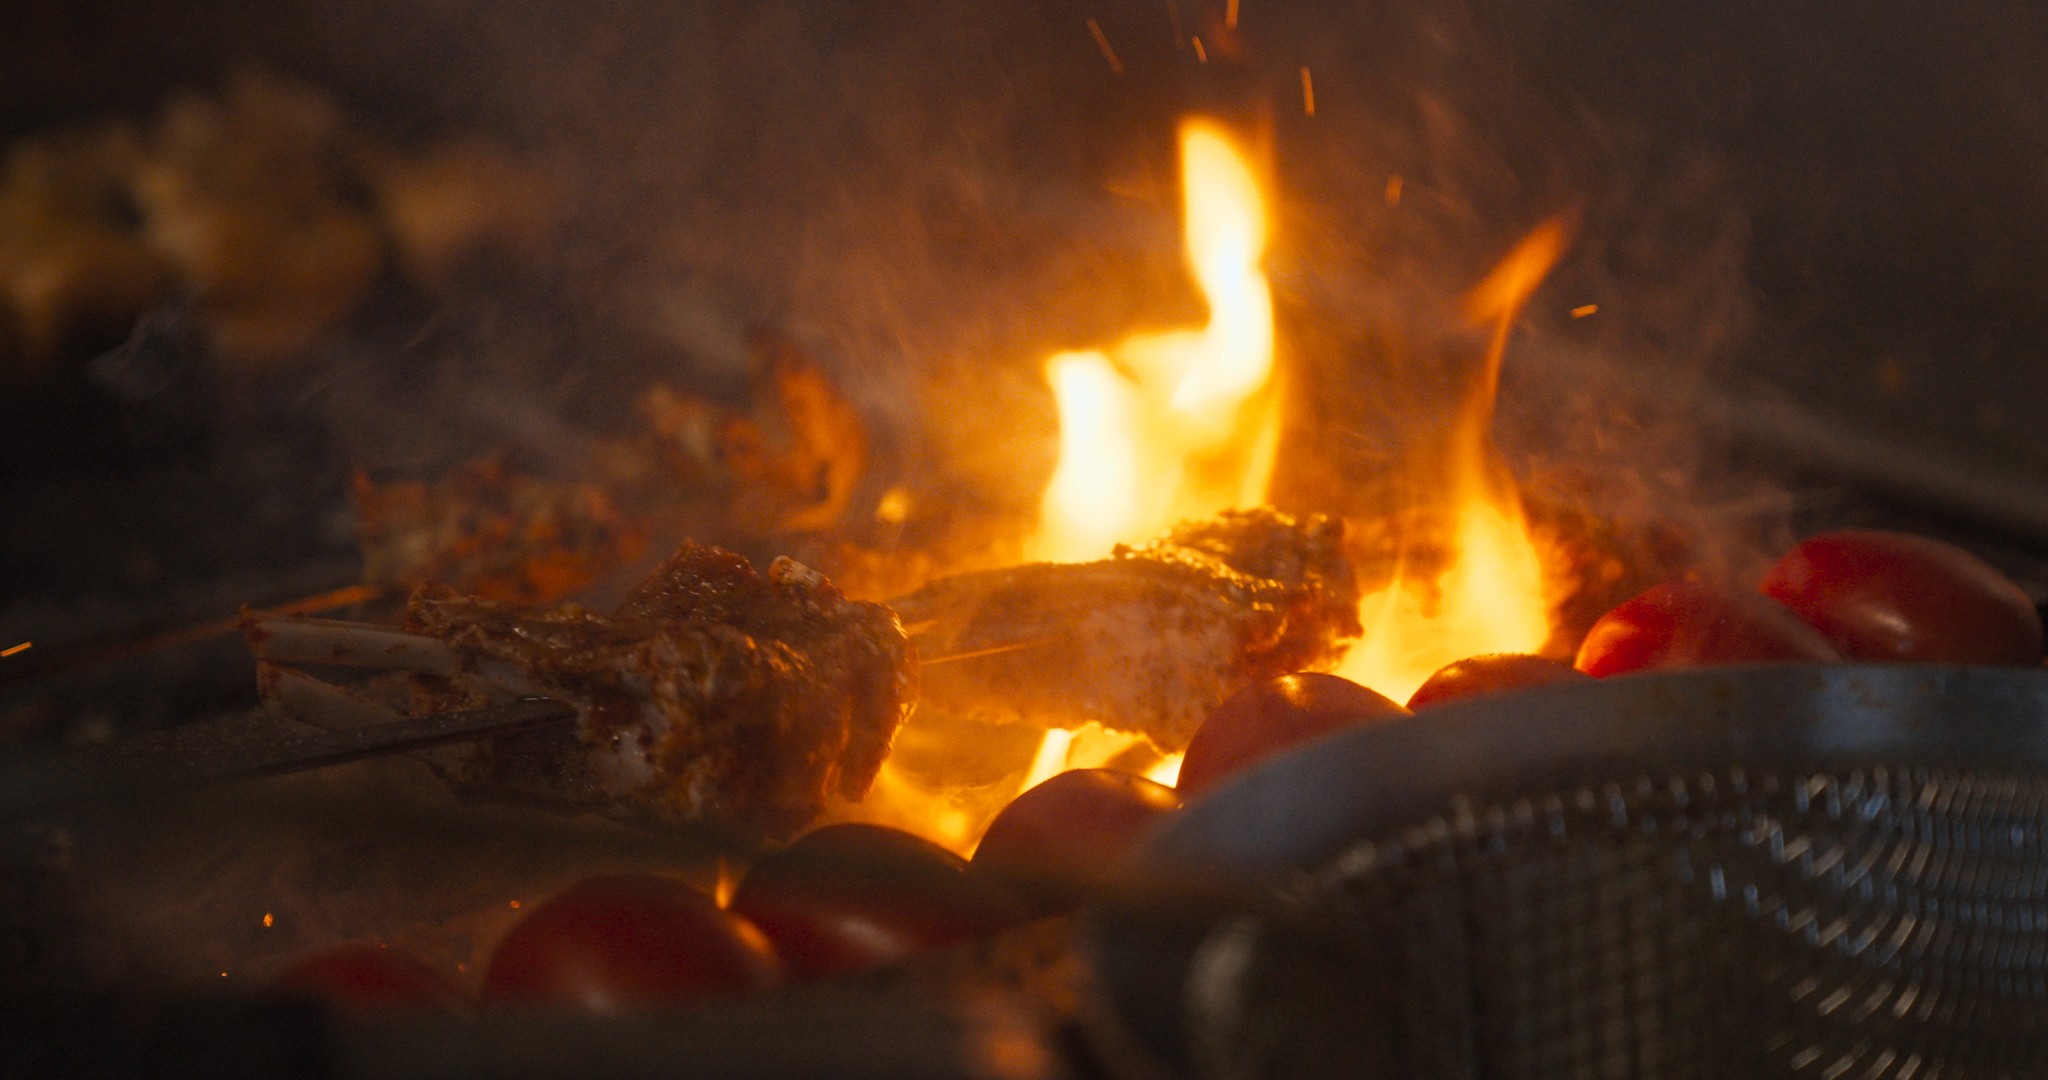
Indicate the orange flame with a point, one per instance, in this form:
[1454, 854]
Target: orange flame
[1163, 427]
[1182, 424]
[1487, 594]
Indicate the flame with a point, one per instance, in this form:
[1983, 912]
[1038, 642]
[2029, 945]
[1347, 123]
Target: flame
[1486, 594]
[1159, 428]
[1167, 771]
[1182, 424]
[1050, 760]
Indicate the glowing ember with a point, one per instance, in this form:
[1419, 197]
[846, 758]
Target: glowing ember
[1051, 759]
[1167, 771]
[1486, 594]
[1184, 424]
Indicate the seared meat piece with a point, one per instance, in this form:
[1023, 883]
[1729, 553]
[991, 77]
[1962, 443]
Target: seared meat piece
[711, 694]
[1147, 640]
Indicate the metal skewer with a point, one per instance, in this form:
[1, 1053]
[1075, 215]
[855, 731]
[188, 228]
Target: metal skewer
[185, 759]
[43, 664]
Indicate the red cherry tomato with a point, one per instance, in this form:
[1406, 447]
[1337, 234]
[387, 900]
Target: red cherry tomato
[1893, 596]
[368, 977]
[1083, 819]
[627, 940]
[1686, 624]
[854, 896]
[1271, 716]
[1492, 674]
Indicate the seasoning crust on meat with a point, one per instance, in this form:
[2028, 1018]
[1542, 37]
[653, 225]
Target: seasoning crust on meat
[710, 694]
[1147, 640]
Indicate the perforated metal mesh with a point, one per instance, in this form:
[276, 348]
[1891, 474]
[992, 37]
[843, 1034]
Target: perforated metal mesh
[1882, 923]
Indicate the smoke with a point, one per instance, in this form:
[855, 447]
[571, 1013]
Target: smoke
[935, 197]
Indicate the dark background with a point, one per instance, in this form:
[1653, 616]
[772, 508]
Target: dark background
[1844, 201]
[1887, 160]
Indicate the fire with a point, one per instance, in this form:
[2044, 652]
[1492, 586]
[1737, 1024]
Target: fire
[1486, 594]
[1183, 424]
[1165, 427]
[1168, 426]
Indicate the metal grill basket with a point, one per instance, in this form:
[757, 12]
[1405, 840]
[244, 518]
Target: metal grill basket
[1832, 873]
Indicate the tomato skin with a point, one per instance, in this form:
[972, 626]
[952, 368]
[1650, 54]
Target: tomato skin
[1266, 718]
[365, 978]
[1686, 624]
[1896, 597]
[853, 897]
[1491, 674]
[627, 940]
[1082, 819]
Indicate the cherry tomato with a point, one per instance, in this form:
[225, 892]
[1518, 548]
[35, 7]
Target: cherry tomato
[368, 977]
[632, 939]
[1898, 597]
[1271, 716]
[1083, 819]
[1492, 674]
[1686, 624]
[853, 897]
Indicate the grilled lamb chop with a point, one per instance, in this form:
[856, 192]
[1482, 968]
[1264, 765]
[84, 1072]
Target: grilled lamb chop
[709, 695]
[1147, 640]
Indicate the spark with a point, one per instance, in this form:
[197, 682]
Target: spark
[514, 904]
[1201, 54]
[993, 650]
[728, 883]
[1308, 93]
[1584, 310]
[268, 919]
[23, 647]
[1230, 14]
[1116, 66]
[1173, 16]
[894, 508]
[1394, 190]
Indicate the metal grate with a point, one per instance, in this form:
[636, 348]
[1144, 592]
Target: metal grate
[1872, 923]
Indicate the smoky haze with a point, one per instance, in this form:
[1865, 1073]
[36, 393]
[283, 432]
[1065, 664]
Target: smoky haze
[935, 196]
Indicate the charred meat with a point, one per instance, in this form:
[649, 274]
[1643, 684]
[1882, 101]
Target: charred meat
[710, 694]
[1147, 640]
